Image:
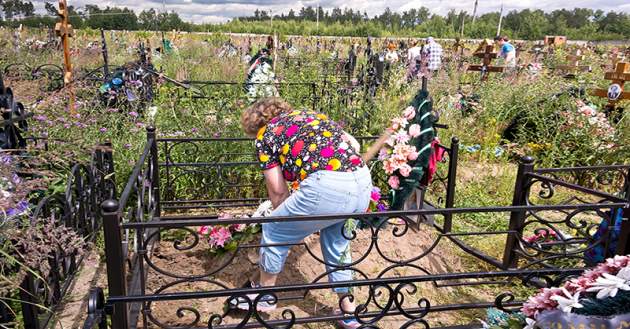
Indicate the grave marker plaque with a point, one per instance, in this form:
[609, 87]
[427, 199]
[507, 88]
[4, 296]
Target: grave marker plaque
[615, 92]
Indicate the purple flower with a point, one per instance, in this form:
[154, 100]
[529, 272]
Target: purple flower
[6, 159]
[40, 117]
[139, 124]
[381, 207]
[103, 130]
[133, 114]
[112, 110]
[217, 135]
[127, 146]
[194, 130]
[19, 209]
[66, 125]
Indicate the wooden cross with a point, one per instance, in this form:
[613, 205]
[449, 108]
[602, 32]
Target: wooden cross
[555, 40]
[64, 30]
[486, 52]
[615, 92]
[574, 63]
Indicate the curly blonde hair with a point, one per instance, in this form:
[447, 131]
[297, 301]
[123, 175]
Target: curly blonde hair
[261, 112]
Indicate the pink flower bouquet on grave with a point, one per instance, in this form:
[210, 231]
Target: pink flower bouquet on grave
[396, 155]
[225, 238]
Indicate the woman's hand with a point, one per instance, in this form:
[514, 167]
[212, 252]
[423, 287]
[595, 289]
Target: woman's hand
[276, 186]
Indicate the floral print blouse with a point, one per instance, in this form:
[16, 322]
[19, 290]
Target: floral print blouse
[303, 142]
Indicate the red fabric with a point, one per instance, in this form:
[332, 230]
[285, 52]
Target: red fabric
[434, 159]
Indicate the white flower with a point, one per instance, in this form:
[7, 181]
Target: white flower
[567, 302]
[152, 112]
[608, 285]
[530, 323]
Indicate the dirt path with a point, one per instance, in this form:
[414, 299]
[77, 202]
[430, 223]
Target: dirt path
[73, 311]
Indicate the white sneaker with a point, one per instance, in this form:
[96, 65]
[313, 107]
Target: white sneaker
[266, 303]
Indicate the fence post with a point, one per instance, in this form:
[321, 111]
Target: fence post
[115, 260]
[623, 244]
[521, 191]
[155, 170]
[28, 296]
[451, 183]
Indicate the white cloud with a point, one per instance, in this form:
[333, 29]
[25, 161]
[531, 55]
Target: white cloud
[215, 11]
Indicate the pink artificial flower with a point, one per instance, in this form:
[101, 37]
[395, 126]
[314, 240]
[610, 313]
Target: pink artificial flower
[203, 230]
[414, 130]
[401, 137]
[393, 182]
[238, 227]
[219, 236]
[399, 123]
[409, 113]
[405, 170]
[376, 194]
[389, 166]
[413, 155]
[382, 154]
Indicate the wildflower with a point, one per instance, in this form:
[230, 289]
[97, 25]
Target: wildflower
[127, 146]
[133, 114]
[103, 130]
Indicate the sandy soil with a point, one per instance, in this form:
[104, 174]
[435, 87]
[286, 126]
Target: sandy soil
[303, 268]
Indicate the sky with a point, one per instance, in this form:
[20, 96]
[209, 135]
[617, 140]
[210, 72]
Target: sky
[217, 11]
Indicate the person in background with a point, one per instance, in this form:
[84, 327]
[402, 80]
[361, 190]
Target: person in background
[323, 164]
[507, 52]
[433, 50]
[391, 56]
[413, 52]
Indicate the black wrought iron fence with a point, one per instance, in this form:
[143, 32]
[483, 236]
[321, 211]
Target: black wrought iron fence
[198, 173]
[162, 273]
[40, 294]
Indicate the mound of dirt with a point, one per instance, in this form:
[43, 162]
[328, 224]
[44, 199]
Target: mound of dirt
[394, 253]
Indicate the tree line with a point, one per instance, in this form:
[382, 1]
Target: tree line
[22, 12]
[577, 23]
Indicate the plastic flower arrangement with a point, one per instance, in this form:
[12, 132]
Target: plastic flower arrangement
[377, 203]
[603, 291]
[407, 151]
[226, 238]
[592, 122]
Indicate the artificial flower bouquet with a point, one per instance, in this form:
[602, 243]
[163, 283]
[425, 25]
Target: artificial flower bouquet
[599, 298]
[226, 238]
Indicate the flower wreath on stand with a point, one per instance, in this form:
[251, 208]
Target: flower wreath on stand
[406, 154]
[599, 298]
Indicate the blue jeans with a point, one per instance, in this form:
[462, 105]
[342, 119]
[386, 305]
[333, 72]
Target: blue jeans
[321, 193]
